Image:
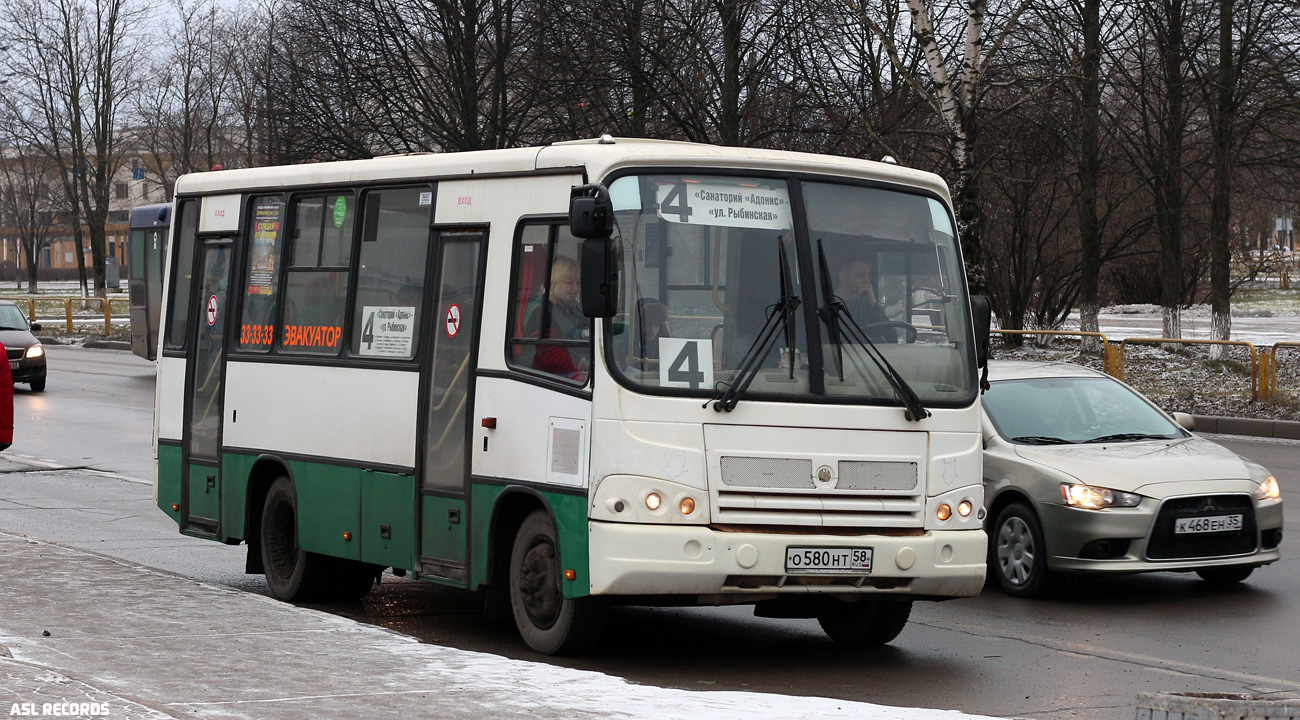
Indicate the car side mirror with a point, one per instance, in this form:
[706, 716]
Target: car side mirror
[34, 327]
[981, 313]
[1186, 421]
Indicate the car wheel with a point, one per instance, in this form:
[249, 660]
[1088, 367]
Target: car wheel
[1018, 554]
[548, 622]
[1226, 575]
[293, 574]
[863, 623]
[37, 385]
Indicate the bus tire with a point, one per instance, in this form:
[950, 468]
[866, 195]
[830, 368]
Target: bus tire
[292, 574]
[351, 580]
[548, 622]
[863, 623]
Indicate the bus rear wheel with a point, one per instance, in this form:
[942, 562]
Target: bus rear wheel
[863, 623]
[293, 574]
[548, 622]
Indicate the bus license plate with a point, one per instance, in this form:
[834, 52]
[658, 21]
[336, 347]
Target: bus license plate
[827, 560]
[1216, 523]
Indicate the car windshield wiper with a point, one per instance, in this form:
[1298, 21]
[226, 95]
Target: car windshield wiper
[834, 309]
[1127, 437]
[780, 317]
[6, 327]
[1041, 440]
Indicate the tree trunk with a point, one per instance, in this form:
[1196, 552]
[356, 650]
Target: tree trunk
[1089, 169]
[1169, 201]
[1221, 195]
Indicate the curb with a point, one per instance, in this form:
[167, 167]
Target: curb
[1284, 429]
[107, 345]
[1215, 706]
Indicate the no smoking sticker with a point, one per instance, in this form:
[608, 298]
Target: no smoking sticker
[212, 310]
[453, 320]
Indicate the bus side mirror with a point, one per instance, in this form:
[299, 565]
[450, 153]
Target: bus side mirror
[600, 260]
[981, 312]
[591, 211]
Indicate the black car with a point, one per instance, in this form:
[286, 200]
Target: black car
[26, 355]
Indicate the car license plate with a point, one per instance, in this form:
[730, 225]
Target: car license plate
[13, 364]
[1215, 523]
[828, 560]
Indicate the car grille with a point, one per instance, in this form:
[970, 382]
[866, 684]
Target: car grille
[16, 353]
[773, 491]
[1165, 545]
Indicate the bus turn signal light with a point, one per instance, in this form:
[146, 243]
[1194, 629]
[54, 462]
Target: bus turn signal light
[347, 536]
[687, 506]
[570, 575]
[944, 511]
[176, 507]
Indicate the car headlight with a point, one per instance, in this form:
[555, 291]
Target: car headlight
[1268, 490]
[1096, 498]
[35, 351]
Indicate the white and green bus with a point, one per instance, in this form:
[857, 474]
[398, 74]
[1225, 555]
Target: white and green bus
[598, 372]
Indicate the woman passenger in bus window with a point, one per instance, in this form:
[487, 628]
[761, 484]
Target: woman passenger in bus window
[561, 318]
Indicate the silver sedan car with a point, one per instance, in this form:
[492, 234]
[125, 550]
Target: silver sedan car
[1084, 475]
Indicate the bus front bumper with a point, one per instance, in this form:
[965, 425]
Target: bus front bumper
[725, 567]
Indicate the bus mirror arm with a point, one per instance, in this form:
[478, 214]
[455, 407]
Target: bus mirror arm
[981, 312]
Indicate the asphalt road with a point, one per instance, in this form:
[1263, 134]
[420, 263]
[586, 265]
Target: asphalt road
[1083, 654]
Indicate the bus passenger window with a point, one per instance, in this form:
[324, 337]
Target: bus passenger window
[549, 332]
[316, 285]
[266, 235]
[390, 277]
[178, 311]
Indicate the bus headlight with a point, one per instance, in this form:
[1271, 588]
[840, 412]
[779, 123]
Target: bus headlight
[640, 499]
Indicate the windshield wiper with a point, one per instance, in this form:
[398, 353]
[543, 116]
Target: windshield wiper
[1127, 437]
[913, 410]
[781, 316]
[1041, 440]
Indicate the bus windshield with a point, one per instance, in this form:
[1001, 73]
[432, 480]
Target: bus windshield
[798, 288]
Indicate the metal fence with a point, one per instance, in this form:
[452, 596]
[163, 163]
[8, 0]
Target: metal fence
[88, 312]
[1263, 361]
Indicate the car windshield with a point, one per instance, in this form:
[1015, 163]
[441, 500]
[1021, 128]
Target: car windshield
[11, 318]
[1058, 411]
[722, 276]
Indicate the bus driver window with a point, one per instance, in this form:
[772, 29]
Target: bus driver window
[551, 334]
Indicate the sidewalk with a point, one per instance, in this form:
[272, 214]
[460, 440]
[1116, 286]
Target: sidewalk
[77, 627]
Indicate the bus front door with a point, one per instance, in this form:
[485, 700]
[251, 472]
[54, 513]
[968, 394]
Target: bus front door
[447, 401]
[201, 489]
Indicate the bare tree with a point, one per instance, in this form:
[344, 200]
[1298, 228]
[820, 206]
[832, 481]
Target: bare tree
[28, 195]
[187, 119]
[71, 63]
[953, 42]
[1252, 86]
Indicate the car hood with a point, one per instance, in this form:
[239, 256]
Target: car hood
[1130, 467]
[17, 338]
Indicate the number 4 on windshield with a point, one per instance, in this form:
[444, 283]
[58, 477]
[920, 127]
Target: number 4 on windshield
[691, 365]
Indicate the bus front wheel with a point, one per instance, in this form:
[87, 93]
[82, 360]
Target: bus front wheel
[867, 622]
[293, 574]
[548, 622]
